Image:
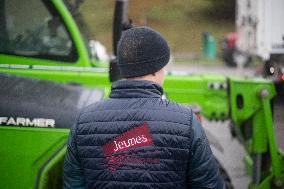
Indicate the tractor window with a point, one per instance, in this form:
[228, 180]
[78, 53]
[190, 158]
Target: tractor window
[34, 29]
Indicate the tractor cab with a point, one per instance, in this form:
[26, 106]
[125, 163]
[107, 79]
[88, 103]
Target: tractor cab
[47, 33]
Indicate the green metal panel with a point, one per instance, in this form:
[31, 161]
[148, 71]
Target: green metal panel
[246, 104]
[248, 89]
[259, 137]
[277, 168]
[24, 151]
[64, 75]
[208, 92]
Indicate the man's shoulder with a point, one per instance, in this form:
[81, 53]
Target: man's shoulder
[102, 105]
[172, 112]
[176, 107]
[97, 106]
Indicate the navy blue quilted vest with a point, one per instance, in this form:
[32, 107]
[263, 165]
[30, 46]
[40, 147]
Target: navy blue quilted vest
[136, 139]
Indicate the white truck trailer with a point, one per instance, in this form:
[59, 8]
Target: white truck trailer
[260, 32]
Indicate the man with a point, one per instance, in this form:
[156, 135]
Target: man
[136, 139]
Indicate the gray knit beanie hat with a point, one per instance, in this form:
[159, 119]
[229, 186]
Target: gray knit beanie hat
[141, 51]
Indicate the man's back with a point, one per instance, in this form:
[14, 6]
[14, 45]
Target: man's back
[135, 139]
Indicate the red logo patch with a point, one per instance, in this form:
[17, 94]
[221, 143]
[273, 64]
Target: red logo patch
[137, 137]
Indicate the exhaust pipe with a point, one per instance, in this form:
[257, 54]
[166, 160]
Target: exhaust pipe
[120, 20]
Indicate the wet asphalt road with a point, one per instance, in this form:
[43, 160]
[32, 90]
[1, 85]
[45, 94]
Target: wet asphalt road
[232, 155]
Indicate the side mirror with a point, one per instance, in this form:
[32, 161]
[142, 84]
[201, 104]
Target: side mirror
[98, 51]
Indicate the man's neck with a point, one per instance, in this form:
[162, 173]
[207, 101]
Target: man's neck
[147, 78]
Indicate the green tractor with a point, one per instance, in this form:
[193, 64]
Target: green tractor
[48, 73]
